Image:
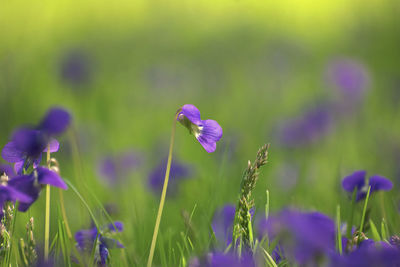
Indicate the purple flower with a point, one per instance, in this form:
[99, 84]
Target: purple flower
[219, 259]
[303, 236]
[358, 180]
[370, 253]
[116, 168]
[207, 132]
[349, 77]
[178, 172]
[27, 144]
[30, 185]
[222, 224]
[306, 129]
[86, 240]
[9, 193]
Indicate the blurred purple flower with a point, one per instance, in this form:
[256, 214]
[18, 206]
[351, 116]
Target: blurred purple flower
[207, 132]
[303, 236]
[31, 185]
[358, 180]
[76, 68]
[369, 253]
[349, 77]
[222, 224]
[27, 144]
[219, 259]
[115, 169]
[178, 172]
[86, 240]
[306, 129]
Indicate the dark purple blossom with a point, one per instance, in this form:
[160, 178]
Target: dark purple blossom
[177, 173]
[358, 180]
[303, 236]
[222, 224]
[86, 240]
[27, 144]
[207, 132]
[31, 185]
[115, 169]
[306, 129]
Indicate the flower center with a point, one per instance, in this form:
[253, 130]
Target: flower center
[4, 179]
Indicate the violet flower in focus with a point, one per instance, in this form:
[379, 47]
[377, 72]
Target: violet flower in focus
[86, 240]
[177, 173]
[358, 180]
[207, 132]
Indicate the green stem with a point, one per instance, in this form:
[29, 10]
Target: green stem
[339, 234]
[47, 214]
[164, 192]
[364, 210]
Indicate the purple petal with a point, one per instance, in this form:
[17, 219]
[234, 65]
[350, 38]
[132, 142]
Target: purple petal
[7, 169]
[103, 254]
[53, 144]
[11, 154]
[354, 180]
[25, 184]
[192, 113]
[209, 135]
[17, 195]
[378, 182]
[46, 176]
[31, 142]
[56, 121]
[18, 166]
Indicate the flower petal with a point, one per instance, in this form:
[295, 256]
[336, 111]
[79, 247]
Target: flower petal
[11, 154]
[26, 185]
[209, 135]
[53, 144]
[354, 180]
[192, 113]
[17, 195]
[18, 166]
[7, 169]
[55, 122]
[378, 182]
[46, 176]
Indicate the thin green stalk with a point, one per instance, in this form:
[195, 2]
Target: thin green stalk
[163, 194]
[47, 213]
[364, 210]
[339, 233]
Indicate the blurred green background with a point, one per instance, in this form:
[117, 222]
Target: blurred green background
[123, 68]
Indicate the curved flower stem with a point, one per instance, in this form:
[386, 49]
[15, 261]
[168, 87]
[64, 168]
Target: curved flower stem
[47, 214]
[164, 192]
